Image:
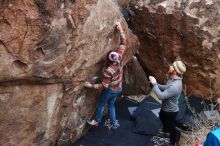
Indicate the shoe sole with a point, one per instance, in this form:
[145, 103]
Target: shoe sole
[184, 131]
[163, 135]
[89, 123]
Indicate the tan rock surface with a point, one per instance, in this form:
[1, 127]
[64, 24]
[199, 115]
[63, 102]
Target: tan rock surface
[135, 79]
[30, 114]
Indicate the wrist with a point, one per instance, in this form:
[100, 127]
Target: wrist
[154, 84]
[122, 33]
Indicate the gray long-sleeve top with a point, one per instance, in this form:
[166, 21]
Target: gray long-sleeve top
[169, 94]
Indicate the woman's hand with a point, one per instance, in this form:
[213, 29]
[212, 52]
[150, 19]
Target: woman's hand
[119, 27]
[88, 85]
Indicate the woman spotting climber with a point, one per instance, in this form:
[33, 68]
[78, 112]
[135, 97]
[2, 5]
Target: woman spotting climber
[111, 85]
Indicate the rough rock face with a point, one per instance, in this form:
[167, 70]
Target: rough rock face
[173, 29]
[28, 117]
[123, 3]
[48, 50]
[135, 79]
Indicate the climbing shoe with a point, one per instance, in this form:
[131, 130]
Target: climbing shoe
[107, 123]
[115, 125]
[165, 133]
[184, 128]
[92, 122]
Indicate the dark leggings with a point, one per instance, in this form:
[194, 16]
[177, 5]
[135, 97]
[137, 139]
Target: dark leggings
[168, 121]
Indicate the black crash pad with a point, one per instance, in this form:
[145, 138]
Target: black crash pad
[123, 136]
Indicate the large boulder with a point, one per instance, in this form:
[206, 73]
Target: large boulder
[135, 79]
[30, 114]
[187, 30]
[48, 50]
